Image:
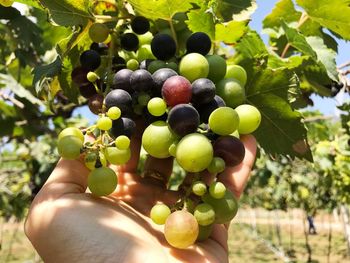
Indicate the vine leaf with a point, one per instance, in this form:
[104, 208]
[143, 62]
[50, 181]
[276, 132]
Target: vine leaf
[237, 9]
[68, 13]
[281, 130]
[315, 48]
[199, 20]
[8, 81]
[161, 9]
[46, 71]
[334, 15]
[230, 32]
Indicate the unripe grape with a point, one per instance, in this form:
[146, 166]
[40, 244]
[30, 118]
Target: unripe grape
[104, 123]
[159, 213]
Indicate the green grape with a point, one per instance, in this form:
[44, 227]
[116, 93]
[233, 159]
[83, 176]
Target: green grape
[155, 65]
[90, 160]
[156, 106]
[117, 156]
[102, 181]
[104, 123]
[237, 72]
[102, 158]
[172, 149]
[98, 32]
[71, 131]
[217, 67]
[114, 113]
[217, 190]
[194, 66]
[172, 65]
[231, 91]
[144, 52]
[157, 138]
[145, 39]
[204, 214]
[204, 232]
[69, 147]
[225, 208]
[194, 152]
[199, 188]
[181, 229]
[223, 121]
[159, 213]
[217, 165]
[92, 76]
[143, 98]
[250, 118]
[122, 142]
[132, 64]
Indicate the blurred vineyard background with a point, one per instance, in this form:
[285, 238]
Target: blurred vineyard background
[282, 194]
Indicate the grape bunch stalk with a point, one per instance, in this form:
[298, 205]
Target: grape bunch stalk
[192, 104]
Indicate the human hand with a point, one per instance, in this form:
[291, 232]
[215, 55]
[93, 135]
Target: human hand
[67, 224]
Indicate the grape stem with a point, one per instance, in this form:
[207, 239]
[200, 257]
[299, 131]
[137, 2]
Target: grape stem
[303, 18]
[173, 32]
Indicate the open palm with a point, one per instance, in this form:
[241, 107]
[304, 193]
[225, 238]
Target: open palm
[67, 224]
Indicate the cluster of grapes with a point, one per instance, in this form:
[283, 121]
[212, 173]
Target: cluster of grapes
[193, 104]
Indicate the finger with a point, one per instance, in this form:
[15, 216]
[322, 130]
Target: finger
[68, 177]
[235, 178]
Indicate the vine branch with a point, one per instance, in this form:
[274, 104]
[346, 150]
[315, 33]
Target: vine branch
[303, 18]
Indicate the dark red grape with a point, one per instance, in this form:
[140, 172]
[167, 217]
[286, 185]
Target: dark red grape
[140, 25]
[88, 90]
[163, 46]
[95, 103]
[123, 126]
[141, 80]
[203, 91]
[79, 76]
[159, 77]
[100, 48]
[121, 99]
[183, 119]
[118, 63]
[129, 42]
[121, 80]
[230, 149]
[207, 108]
[90, 60]
[198, 42]
[176, 90]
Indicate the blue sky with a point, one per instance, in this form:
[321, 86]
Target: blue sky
[326, 105]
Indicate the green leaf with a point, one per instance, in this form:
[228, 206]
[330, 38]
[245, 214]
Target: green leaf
[43, 72]
[18, 89]
[68, 13]
[325, 55]
[33, 3]
[298, 41]
[283, 9]
[334, 15]
[281, 130]
[65, 79]
[199, 20]
[161, 9]
[231, 32]
[251, 53]
[235, 9]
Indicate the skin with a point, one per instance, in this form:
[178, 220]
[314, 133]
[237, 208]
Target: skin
[67, 224]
